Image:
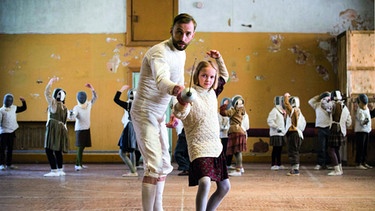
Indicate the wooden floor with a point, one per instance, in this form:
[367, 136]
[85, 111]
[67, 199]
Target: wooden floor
[101, 187]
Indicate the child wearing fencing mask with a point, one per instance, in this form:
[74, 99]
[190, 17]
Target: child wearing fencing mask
[56, 138]
[127, 141]
[81, 113]
[295, 125]
[8, 126]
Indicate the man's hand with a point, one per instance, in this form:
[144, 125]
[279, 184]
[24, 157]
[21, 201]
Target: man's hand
[177, 89]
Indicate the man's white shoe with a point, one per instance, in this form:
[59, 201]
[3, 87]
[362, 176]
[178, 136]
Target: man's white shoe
[2, 167]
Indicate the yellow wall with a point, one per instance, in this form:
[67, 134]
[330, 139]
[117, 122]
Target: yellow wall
[28, 61]
[247, 57]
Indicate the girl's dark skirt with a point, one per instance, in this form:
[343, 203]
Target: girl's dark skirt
[277, 141]
[83, 138]
[215, 168]
[128, 141]
[236, 143]
[335, 139]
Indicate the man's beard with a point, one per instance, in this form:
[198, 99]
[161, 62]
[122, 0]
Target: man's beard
[175, 44]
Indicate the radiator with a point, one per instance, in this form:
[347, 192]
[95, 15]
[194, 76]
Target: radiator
[30, 136]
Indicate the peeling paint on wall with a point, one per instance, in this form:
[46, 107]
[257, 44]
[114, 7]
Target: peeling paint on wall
[350, 19]
[110, 39]
[323, 72]
[55, 56]
[275, 43]
[113, 63]
[133, 53]
[35, 95]
[233, 76]
[129, 52]
[355, 20]
[120, 80]
[303, 57]
[16, 67]
[123, 55]
[329, 48]
[259, 77]
[125, 64]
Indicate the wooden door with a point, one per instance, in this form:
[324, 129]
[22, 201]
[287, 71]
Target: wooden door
[149, 21]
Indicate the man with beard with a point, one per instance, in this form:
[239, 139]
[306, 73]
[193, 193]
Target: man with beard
[161, 77]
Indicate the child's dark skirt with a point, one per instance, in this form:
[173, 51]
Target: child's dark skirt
[215, 168]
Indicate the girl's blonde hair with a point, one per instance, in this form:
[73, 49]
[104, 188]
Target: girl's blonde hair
[201, 65]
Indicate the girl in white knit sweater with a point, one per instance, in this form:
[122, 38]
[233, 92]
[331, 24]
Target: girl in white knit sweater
[201, 125]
